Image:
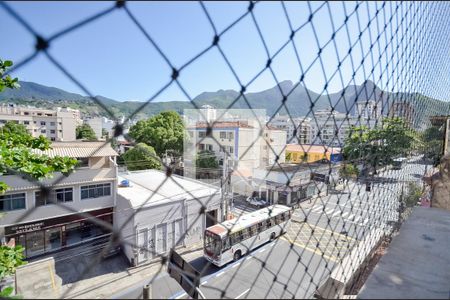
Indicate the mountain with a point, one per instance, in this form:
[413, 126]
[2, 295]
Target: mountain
[299, 101]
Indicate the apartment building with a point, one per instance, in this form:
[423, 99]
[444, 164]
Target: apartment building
[403, 110]
[331, 127]
[61, 214]
[57, 125]
[243, 144]
[369, 109]
[298, 130]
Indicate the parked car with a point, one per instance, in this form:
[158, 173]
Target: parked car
[256, 202]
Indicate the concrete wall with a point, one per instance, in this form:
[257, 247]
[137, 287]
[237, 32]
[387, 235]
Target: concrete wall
[145, 230]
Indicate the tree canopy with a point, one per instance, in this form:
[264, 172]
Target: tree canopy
[141, 157]
[433, 143]
[206, 159]
[7, 81]
[164, 131]
[17, 145]
[85, 132]
[380, 145]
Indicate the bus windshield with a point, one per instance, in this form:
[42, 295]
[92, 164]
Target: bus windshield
[213, 244]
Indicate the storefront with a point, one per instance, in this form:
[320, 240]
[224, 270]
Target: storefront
[58, 233]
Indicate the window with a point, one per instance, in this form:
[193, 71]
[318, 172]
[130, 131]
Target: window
[53, 131]
[39, 114]
[52, 123]
[60, 130]
[57, 195]
[223, 135]
[52, 139]
[95, 190]
[42, 123]
[12, 202]
[26, 122]
[231, 149]
[83, 162]
[43, 131]
[26, 113]
[230, 135]
[202, 134]
[209, 147]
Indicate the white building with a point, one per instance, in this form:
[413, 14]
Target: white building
[56, 125]
[298, 130]
[61, 217]
[331, 128]
[96, 124]
[369, 109]
[243, 144]
[156, 213]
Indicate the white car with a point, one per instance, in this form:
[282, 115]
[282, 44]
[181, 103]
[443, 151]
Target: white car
[256, 202]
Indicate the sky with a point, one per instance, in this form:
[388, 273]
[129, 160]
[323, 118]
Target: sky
[113, 58]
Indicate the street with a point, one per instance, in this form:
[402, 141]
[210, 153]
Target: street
[295, 264]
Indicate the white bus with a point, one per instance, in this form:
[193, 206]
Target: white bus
[229, 240]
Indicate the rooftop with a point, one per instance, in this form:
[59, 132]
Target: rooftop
[79, 149]
[414, 265]
[225, 124]
[149, 187]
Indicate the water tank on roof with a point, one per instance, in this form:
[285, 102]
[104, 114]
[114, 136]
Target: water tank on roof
[124, 183]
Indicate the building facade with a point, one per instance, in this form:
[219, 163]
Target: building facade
[155, 213]
[312, 153]
[59, 212]
[298, 130]
[240, 144]
[331, 127]
[56, 125]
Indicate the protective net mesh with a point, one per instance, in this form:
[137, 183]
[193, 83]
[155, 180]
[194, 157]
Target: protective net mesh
[374, 62]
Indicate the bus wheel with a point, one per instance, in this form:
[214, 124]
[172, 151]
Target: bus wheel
[272, 236]
[237, 255]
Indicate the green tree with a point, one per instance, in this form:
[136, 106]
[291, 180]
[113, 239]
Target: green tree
[206, 159]
[7, 81]
[433, 143]
[10, 259]
[379, 146]
[164, 131]
[85, 132]
[105, 133]
[141, 157]
[348, 171]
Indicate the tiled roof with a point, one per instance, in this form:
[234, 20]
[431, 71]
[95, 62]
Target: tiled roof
[79, 149]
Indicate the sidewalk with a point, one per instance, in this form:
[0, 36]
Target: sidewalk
[106, 285]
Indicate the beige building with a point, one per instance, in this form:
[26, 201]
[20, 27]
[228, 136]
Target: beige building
[240, 144]
[56, 125]
[298, 130]
[61, 214]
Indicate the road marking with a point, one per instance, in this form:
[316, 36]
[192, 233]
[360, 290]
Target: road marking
[52, 277]
[329, 210]
[331, 232]
[315, 251]
[335, 214]
[271, 245]
[351, 217]
[262, 250]
[345, 214]
[235, 265]
[317, 209]
[220, 274]
[248, 257]
[205, 282]
[182, 295]
[243, 293]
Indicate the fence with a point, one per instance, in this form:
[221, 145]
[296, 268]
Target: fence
[369, 63]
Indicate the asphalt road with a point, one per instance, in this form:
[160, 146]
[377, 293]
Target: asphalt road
[295, 264]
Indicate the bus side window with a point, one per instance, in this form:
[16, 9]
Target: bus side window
[260, 227]
[268, 223]
[282, 217]
[226, 244]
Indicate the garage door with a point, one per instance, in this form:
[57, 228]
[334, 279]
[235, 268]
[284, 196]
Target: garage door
[161, 239]
[174, 234]
[142, 245]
